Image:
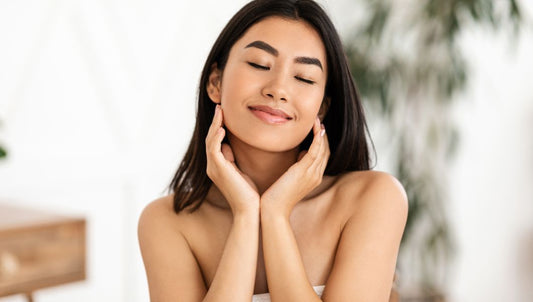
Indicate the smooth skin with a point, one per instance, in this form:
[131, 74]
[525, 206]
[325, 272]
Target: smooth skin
[272, 222]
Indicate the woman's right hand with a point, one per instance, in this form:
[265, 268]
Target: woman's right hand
[238, 189]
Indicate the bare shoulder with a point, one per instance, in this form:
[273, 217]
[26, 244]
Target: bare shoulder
[376, 189]
[159, 222]
[162, 204]
[171, 269]
[375, 205]
[158, 212]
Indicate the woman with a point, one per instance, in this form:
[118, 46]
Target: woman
[275, 198]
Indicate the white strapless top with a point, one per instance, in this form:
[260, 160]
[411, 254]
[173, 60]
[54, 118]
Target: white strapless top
[319, 289]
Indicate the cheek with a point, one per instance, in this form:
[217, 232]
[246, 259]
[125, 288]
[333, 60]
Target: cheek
[308, 113]
[238, 83]
[309, 104]
[235, 90]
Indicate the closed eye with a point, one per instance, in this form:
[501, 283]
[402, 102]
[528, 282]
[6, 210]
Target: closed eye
[258, 66]
[304, 80]
[254, 65]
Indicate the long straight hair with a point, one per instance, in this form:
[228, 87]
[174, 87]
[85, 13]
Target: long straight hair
[344, 120]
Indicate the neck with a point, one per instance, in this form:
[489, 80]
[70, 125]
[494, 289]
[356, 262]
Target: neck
[263, 167]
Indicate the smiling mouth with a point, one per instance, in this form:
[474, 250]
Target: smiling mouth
[269, 118]
[271, 111]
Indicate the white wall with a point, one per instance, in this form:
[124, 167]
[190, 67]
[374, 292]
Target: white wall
[97, 103]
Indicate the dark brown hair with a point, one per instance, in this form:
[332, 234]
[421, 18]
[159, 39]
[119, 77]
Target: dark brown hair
[344, 120]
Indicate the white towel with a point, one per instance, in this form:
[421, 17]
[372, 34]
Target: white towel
[319, 289]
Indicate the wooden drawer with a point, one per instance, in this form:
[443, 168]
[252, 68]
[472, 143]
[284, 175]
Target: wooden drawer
[39, 250]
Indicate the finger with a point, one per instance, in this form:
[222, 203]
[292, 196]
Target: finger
[324, 154]
[326, 144]
[216, 136]
[313, 153]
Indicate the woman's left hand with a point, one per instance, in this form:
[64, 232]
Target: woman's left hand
[301, 178]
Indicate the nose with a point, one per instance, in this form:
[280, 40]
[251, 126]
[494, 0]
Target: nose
[276, 89]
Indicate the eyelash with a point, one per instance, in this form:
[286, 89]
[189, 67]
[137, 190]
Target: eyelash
[268, 68]
[258, 66]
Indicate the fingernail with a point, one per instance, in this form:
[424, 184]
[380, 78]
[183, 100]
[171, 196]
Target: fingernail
[322, 132]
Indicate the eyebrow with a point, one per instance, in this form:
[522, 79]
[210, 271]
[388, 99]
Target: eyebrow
[271, 50]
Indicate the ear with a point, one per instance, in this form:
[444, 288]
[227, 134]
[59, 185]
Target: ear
[324, 107]
[214, 83]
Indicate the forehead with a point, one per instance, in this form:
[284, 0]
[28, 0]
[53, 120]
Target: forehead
[289, 37]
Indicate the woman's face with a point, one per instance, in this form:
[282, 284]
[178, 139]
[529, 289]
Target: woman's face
[278, 64]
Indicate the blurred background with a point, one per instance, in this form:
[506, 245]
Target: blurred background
[97, 106]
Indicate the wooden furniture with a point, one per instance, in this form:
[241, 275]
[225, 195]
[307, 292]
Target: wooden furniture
[39, 250]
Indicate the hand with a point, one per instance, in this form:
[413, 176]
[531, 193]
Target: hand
[238, 189]
[301, 178]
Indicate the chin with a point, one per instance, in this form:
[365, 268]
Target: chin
[271, 142]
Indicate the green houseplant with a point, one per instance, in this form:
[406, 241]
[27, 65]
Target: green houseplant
[408, 67]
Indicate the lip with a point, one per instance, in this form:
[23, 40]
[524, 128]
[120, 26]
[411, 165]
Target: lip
[271, 111]
[270, 115]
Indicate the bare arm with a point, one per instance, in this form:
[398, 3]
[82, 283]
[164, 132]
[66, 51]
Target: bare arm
[235, 276]
[366, 256]
[172, 270]
[287, 280]
[368, 248]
